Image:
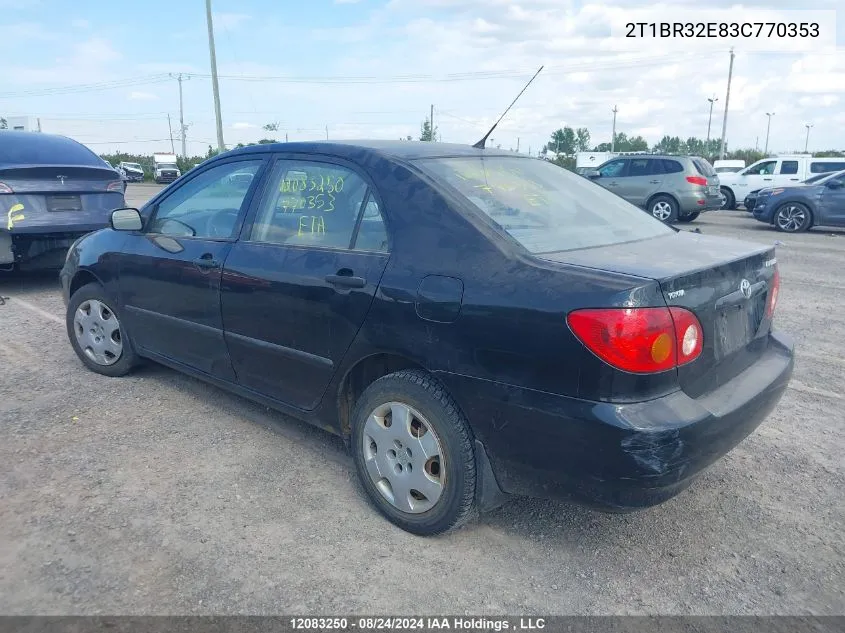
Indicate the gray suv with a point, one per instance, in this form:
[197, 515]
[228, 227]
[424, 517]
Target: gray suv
[671, 188]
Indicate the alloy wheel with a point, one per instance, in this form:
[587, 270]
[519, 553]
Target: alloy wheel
[661, 210]
[791, 218]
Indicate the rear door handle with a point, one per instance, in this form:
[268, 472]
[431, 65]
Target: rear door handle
[794, 179]
[612, 184]
[766, 178]
[346, 279]
[654, 182]
[207, 261]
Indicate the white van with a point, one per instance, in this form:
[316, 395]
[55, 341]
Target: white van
[780, 171]
[728, 166]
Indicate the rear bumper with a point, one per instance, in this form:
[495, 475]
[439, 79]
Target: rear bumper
[617, 458]
[699, 201]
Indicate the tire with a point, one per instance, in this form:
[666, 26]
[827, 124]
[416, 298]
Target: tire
[440, 469]
[729, 199]
[108, 355]
[689, 217]
[792, 217]
[663, 208]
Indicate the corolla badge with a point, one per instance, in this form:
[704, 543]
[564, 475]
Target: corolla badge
[745, 288]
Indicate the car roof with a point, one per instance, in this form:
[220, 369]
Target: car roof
[403, 150]
[17, 147]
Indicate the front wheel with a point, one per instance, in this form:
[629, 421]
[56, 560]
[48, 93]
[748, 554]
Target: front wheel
[792, 217]
[664, 208]
[413, 451]
[728, 198]
[96, 333]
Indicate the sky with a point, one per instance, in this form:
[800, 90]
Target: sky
[347, 69]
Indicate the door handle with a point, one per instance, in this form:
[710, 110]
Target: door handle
[206, 261]
[612, 184]
[766, 178]
[654, 182]
[793, 178]
[344, 277]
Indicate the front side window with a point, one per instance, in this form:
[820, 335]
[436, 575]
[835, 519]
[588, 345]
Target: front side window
[766, 168]
[208, 205]
[542, 206]
[612, 169]
[311, 203]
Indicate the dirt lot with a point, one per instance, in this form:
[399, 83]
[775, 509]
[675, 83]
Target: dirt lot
[159, 494]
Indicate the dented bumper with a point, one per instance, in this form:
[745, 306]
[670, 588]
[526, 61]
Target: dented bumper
[618, 457]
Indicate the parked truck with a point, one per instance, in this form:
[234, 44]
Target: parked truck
[164, 167]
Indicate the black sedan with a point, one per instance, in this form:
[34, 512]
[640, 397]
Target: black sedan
[796, 209]
[751, 199]
[472, 322]
[52, 191]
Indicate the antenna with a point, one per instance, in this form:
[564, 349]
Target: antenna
[480, 144]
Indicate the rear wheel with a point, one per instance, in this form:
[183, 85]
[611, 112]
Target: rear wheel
[414, 454]
[728, 198]
[689, 217]
[96, 333]
[792, 217]
[664, 208]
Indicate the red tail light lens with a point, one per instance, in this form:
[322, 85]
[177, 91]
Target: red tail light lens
[639, 340]
[115, 185]
[773, 295]
[4, 188]
[697, 180]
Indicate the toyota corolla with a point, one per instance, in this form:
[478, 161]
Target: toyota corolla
[474, 323]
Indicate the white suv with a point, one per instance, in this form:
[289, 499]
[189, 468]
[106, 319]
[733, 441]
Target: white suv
[781, 171]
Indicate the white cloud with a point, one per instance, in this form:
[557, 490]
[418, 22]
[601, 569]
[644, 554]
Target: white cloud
[137, 95]
[229, 21]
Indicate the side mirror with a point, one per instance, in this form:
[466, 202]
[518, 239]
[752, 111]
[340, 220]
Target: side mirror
[126, 220]
[833, 184]
[592, 173]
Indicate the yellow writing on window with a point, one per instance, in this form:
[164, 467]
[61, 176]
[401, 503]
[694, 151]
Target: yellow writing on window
[311, 224]
[326, 184]
[293, 185]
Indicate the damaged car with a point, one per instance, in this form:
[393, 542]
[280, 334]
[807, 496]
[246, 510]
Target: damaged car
[53, 190]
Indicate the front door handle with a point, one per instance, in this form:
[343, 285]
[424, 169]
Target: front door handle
[612, 184]
[344, 277]
[794, 178]
[206, 261]
[766, 178]
[654, 182]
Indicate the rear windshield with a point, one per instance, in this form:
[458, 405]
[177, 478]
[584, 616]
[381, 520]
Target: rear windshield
[33, 148]
[542, 206]
[703, 167]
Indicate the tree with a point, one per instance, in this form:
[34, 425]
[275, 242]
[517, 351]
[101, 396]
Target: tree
[270, 127]
[562, 141]
[3, 124]
[426, 133]
[583, 139]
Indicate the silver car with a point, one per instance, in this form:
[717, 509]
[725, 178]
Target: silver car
[671, 188]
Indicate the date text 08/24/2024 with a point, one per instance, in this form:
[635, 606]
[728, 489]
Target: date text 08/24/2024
[418, 623]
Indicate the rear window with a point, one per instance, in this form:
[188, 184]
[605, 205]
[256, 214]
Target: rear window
[33, 148]
[821, 168]
[703, 167]
[542, 206]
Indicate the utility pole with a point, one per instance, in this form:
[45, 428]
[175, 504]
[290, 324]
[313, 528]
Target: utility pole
[613, 135]
[807, 140]
[768, 126]
[169, 127]
[182, 127]
[710, 118]
[220, 145]
[517, 144]
[431, 122]
[327, 132]
[727, 101]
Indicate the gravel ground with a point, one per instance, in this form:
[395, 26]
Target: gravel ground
[158, 494]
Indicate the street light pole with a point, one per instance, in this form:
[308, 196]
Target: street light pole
[768, 126]
[807, 140]
[710, 119]
[727, 101]
[613, 134]
[221, 147]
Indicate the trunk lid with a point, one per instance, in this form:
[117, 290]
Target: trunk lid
[724, 282]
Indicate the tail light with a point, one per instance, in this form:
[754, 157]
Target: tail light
[115, 185]
[4, 188]
[697, 180]
[773, 295]
[639, 340]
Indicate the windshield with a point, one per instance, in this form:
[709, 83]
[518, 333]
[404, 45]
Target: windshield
[167, 165]
[725, 170]
[831, 176]
[132, 165]
[542, 206]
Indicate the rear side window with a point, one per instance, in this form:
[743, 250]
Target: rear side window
[672, 166]
[545, 208]
[789, 167]
[821, 168]
[639, 167]
[703, 167]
